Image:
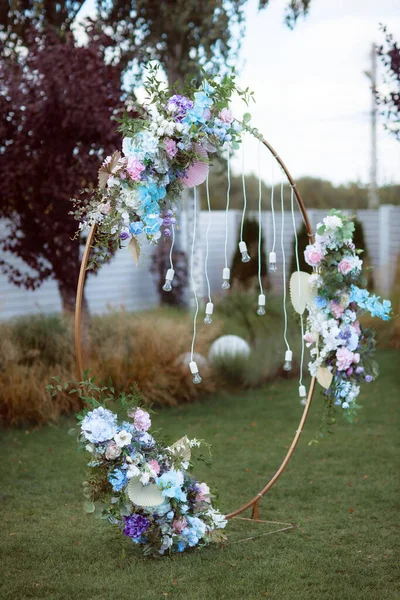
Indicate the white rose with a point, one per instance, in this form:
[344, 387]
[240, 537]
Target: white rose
[132, 471]
[123, 438]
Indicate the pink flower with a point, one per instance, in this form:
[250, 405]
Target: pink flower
[203, 494]
[112, 451]
[134, 168]
[171, 147]
[356, 327]
[179, 524]
[154, 465]
[141, 419]
[345, 266]
[313, 255]
[226, 115]
[344, 359]
[308, 338]
[336, 309]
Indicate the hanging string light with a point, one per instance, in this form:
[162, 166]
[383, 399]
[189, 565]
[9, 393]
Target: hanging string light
[272, 255]
[261, 297]
[167, 287]
[209, 305]
[302, 388]
[193, 365]
[226, 273]
[242, 243]
[287, 365]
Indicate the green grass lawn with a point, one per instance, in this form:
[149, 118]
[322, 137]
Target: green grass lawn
[342, 494]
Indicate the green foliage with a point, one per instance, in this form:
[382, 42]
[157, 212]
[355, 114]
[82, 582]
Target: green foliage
[245, 274]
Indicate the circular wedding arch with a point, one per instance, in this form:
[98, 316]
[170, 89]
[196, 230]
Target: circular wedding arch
[253, 502]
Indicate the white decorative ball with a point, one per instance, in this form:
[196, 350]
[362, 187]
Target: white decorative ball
[229, 344]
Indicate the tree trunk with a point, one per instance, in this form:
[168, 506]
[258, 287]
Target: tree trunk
[68, 299]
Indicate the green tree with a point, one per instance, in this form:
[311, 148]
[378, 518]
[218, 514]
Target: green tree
[181, 35]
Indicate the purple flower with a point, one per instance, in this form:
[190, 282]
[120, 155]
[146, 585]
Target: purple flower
[123, 235]
[135, 526]
[359, 370]
[167, 232]
[368, 378]
[178, 106]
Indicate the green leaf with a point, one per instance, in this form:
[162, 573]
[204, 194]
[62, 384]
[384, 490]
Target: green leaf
[72, 431]
[235, 146]
[246, 117]
[89, 507]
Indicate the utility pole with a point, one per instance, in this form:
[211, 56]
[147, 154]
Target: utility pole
[373, 198]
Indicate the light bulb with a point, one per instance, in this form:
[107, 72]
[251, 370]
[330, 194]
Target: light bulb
[167, 287]
[195, 372]
[261, 305]
[243, 252]
[302, 394]
[209, 312]
[287, 365]
[226, 275]
[272, 262]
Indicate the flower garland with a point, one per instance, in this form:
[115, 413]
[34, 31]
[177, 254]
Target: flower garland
[342, 348]
[142, 487]
[164, 149]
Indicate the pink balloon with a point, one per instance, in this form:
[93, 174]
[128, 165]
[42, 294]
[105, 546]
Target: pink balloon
[198, 171]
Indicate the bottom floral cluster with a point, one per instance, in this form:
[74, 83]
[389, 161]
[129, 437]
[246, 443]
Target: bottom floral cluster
[146, 489]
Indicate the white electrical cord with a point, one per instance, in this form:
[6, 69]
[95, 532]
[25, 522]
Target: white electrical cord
[298, 270]
[227, 210]
[207, 242]
[283, 267]
[244, 196]
[191, 271]
[272, 205]
[259, 219]
[172, 247]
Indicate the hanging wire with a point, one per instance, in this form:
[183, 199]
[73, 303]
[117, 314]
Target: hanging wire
[259, 218]
[284, 267]
[207, 242]
[191, 272]
[298, 270]
[227, 210]
[272, 205]
[244, 196]
[172, 247]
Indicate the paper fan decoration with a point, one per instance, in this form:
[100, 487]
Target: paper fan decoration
[324, 377]
[300, 291]
[144, 495]
[110, 166]
[181, 448]
[198, 171]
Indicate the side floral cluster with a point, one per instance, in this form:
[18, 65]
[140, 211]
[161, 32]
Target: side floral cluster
[339, 342]
[143, 488]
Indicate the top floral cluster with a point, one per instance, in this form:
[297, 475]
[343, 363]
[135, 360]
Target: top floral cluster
[342, 346]
[164, 149]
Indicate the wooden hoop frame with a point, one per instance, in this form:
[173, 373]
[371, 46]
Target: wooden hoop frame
[253, 503]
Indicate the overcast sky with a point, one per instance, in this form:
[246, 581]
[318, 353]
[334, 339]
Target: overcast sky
[313, 98]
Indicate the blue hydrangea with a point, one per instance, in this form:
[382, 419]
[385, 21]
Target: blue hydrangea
[320, 302]
[170, 484]
[371, 303]
[194, 531]
[152, 224]
[99, 425]
[118, 479]
[136, 228]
